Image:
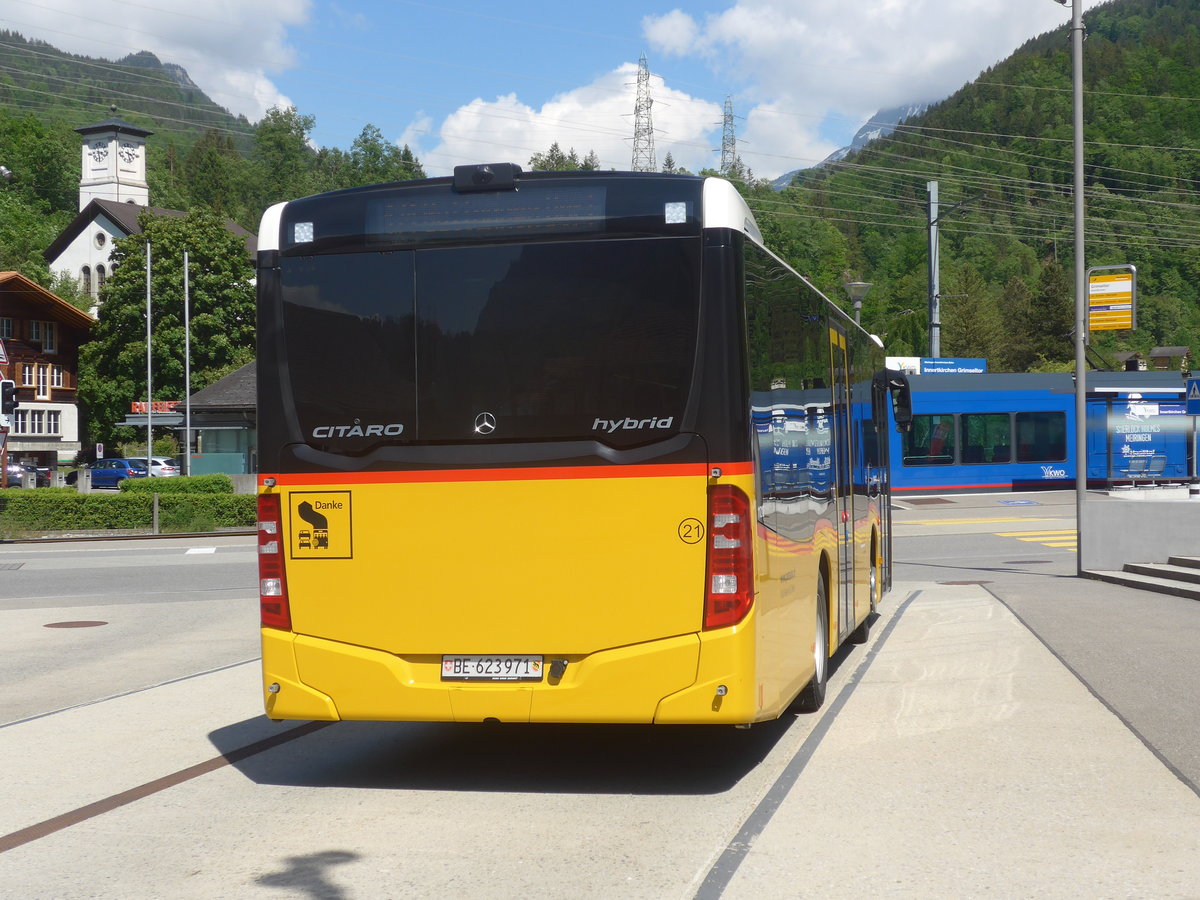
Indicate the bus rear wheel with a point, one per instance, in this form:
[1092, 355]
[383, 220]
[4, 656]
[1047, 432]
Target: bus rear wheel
[813, 696]
[861, 634]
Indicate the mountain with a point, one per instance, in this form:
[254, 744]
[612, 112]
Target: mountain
[79, 90]
[1001, 150]
[880, 125]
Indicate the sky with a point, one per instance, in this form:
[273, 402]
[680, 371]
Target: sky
[467, 82]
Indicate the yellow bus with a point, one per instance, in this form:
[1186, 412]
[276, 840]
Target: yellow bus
[558, 447]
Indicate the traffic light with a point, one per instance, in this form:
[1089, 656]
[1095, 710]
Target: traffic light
[8, 397]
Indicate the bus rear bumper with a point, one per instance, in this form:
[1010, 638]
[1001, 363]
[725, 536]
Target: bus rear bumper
[664, 681]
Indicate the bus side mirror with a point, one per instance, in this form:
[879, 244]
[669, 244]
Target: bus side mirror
[897, 386]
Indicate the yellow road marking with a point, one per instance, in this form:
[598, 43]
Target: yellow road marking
[1026, 534]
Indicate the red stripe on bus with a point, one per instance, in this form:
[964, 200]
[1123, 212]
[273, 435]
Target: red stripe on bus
[544, 473]
[963, 487]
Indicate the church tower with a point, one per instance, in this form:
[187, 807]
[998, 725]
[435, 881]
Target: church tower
[114, 163]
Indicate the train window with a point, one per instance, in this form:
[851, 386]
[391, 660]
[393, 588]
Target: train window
[1041, 437]
[986, 437]
[930, 442]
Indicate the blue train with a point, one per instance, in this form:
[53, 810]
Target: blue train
[978, 433]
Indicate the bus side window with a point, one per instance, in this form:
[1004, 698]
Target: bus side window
[930, 442]
[985, 437]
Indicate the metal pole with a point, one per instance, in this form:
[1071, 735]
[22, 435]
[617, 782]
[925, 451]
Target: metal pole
[187, 372]
[149, 376]
[1080, 284]
[935, 310]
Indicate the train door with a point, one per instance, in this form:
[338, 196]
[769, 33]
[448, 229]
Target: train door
[843, 483]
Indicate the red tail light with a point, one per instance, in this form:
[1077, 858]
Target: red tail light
[272, 583]
[730, 583]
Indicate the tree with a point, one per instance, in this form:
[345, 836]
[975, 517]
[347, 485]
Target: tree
[554, 160]
[375, 160]
[1048, 327]
[1018, 353]
[210, 173]
[283, 158]
[44, 157]
[972, 325]
[26, 229]
[112, 366]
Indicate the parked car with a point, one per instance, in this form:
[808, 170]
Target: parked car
[16, 473]
[160, 465]
[111, 472]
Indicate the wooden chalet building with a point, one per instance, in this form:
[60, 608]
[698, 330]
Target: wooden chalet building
[41, 335]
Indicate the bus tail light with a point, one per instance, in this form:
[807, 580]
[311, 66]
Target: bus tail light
[272, 582]
[729, 578]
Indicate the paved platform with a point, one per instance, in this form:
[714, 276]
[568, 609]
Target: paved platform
[966, 760]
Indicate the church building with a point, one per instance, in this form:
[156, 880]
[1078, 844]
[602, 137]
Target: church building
[112, 194]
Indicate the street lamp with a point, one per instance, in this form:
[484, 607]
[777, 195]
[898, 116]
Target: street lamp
[857, 291]
[6, 174]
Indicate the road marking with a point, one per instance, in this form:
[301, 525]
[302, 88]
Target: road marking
[200, 550]
[1028, 534]
[116, 801]
[1064, 539]
[987, 521]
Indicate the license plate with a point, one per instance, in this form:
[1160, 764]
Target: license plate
[491, 668]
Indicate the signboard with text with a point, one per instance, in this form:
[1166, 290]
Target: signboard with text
[158, 406]
[1112, 298]
[917, 365]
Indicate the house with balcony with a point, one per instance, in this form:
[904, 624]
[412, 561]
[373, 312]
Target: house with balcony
[41, 334]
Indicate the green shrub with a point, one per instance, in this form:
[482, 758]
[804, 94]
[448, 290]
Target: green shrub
[182, 484]
[206, 512]
[28, 512]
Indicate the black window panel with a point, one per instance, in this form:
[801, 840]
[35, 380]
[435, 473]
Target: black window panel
[557, 340]
[1041, 437]
[986, 437]
[587, 205]
[591, 340]
[348, 322]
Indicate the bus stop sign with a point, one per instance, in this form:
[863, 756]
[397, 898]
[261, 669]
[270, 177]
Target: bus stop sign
[1193, 397]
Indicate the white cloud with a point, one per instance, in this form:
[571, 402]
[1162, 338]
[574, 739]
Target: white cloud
[794, 63]
[674, 33]
[598, 116]
[230, 48]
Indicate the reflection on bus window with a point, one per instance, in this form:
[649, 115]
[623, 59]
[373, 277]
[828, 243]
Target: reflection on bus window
[931, 441]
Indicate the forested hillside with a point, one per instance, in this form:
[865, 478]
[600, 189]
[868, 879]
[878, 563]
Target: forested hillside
[199, 156]
[61, 87]
[1002, 147]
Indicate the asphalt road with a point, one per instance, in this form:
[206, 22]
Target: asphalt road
[166, 608]
[1009, 730]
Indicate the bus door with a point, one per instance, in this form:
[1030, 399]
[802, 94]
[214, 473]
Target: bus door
[876, 451]
[843, 487]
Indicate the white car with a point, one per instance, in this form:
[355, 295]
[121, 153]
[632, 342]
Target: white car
[161, 465]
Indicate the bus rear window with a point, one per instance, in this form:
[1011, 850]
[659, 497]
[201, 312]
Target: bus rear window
[511, 342]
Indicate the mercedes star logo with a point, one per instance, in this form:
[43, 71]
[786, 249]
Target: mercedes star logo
[485, 423]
